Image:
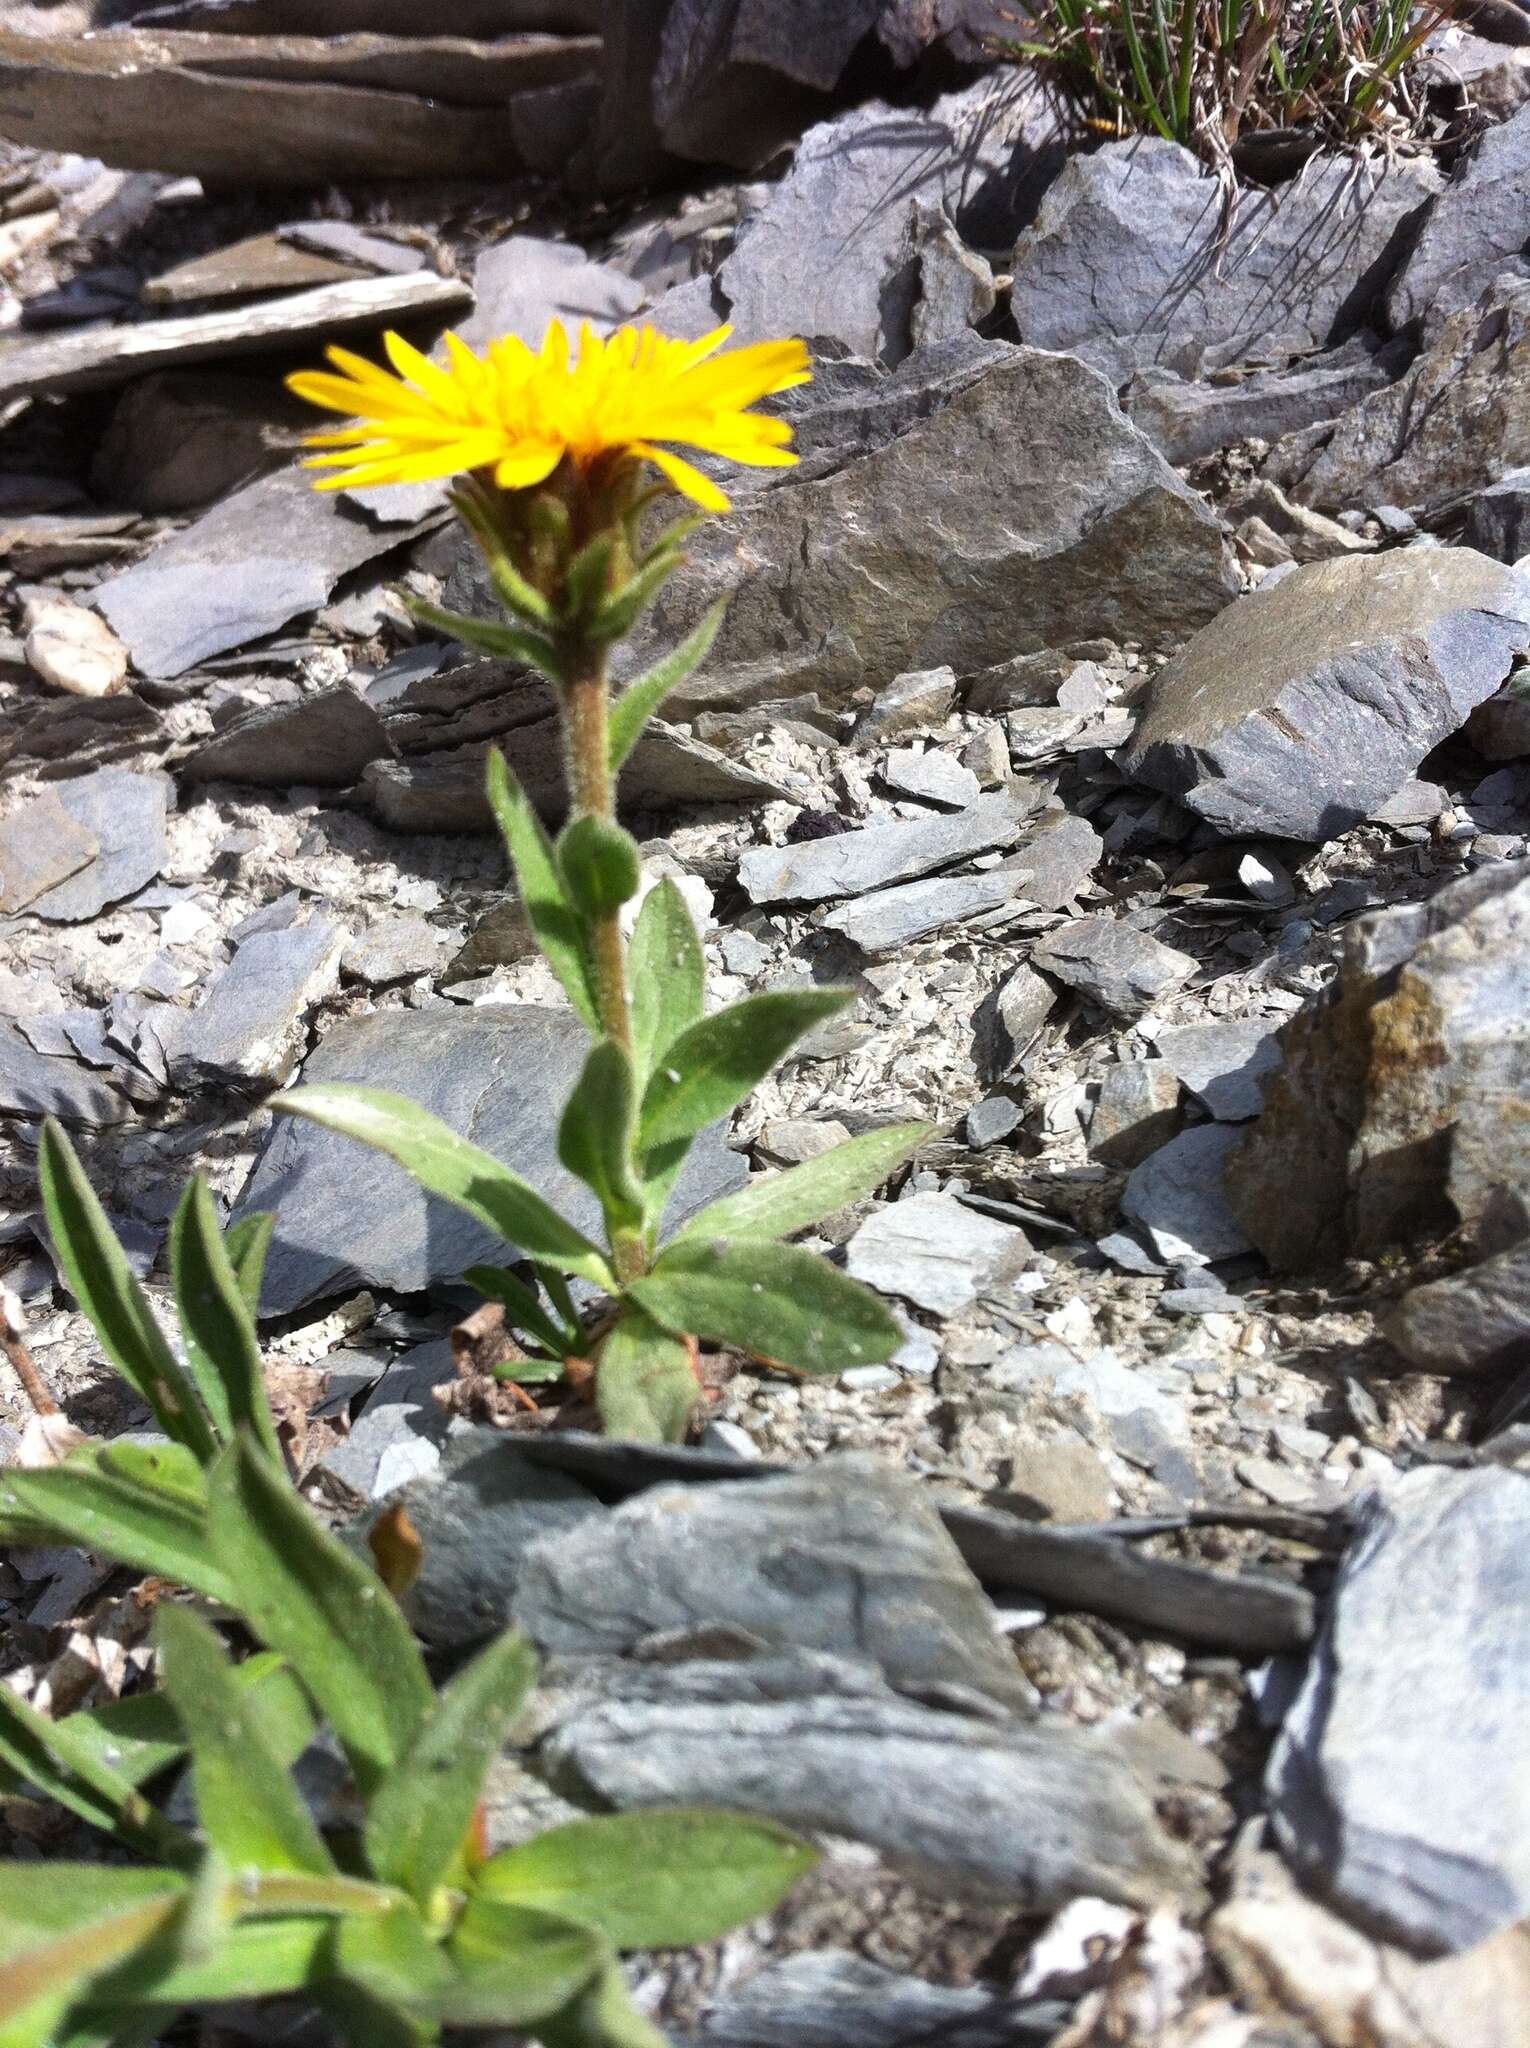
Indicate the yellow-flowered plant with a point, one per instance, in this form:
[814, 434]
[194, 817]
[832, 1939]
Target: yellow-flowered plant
[551, 452]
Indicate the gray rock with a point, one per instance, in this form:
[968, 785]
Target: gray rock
[909, 703]
[846, 1558]
[1396, 1787]
[1030, 1814]
[322, 742]
[1397, 1110]
[179, 439]
[1476, 1321]
[267, 554]
[1307, 703]
[1499, 730]
[35, 1084]
[126, 815]
[1459, 418]
[250, 1024]
[854, 863]
[1137, 1110]
[1473, 233]
[1185, 420]
[41, 845]
[478, 1514]
[734, 82]
[1498, 518]
[993, 1119]
[935, 1252]
[1113, 1388]
[932, 777]
[987, 755]
[1056, 861]
[1178, 1198]
[1022, 681]
[398, 948]
[893, 918]
[1122, 969]
[397, 1437]
[498, 1076]
[842, 575]
[523, 283]
[833, 1998]
[956, 284]
[1223, 1064]
[1130, 262]
[1022, 1006]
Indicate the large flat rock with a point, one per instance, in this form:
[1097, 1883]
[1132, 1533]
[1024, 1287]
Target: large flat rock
[1398, 1786]
[347, 1217]
[1307, 704]
[1473, 234]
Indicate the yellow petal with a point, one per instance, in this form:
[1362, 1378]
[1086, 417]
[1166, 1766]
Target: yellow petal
[698, 488]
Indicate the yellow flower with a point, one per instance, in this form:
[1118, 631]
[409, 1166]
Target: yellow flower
[517, 412]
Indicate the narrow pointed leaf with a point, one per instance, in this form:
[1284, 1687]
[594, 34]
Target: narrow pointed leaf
[63, 1925]
[246, 1243]
[306, 1595]
[383, 1972]
[641, 698]
[450, 1167]
[217, 1327]
[713, 1065]
[83, 1501]
[619, 613]
[776, 1300]
[515, 593]
[486, 636]
[584, 585]
[602, 2016]
[250, 1810]
[667, 974]
[645, 1385]
[420, 1815]
[788, 1202]
[559, 929]
[258, 1959]
[595, 1134]
[62, 1763]
[523, 1311]
[102, 1283]
[515, 1965]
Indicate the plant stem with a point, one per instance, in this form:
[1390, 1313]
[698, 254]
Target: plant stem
[591, 794]
[12, 1341]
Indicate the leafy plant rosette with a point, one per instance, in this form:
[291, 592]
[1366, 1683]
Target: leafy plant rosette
[551, 451]
[389, 1914]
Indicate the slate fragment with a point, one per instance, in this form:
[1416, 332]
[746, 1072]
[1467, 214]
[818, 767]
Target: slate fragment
[125, 813]
[1468, 1322]
[1113, 964]
[41, 845]
[324, 741]
[248, 1026]
[1177, 1196]
[854, 863]
[1473, 233]
[933, 1251]
[34, 1085]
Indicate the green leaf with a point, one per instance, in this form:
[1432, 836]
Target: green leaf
[599, 865]
[102, 1283]
[515, 1965]
[662, 1879]
[559, 929]
[450, 1167]
[595, 1134]
[385, 1971]
[255, 1959]
[506, 643]
[421, 1813]
[587, 576]
[645, 1385]
[249, 1808]
[783, 1203]
[330, 1616]
[63, 1763]
[222, 1349]
[85, 1501]
[602, 2016]
[666, 972]
[523, 1311]
[776, 1300]
[712, 1065]
[64, 1924]
[515, 593]
[641, 698]
[246, 1243]
[619, 613]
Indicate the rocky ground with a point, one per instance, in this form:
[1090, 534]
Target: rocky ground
[1124, 696]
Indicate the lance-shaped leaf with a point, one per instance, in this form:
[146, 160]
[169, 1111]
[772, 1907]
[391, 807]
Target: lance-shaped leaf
[250, 1809]
[63, 1763]
[662, 1879]
[382, 1974]
[218, 1329]
[421, 1813]
[776, 1300]
[557, 926]
[64, 1925]
[515, 1965]
[783, 1203]
[507, 643]
[645, 1385]
[523, 1311]
[330, 1616]
[88, 1502]
[712, 1066]
[102, 1283]
[599, 865]
[667, 974]
[258, 1959]
[450, 1167]
[602, 2016]
[618, 613]
[595, 1134]
[586, 579]
[246, 1243]
[641, 699]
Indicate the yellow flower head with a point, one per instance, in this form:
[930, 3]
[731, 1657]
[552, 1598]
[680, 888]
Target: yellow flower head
[517, 412]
